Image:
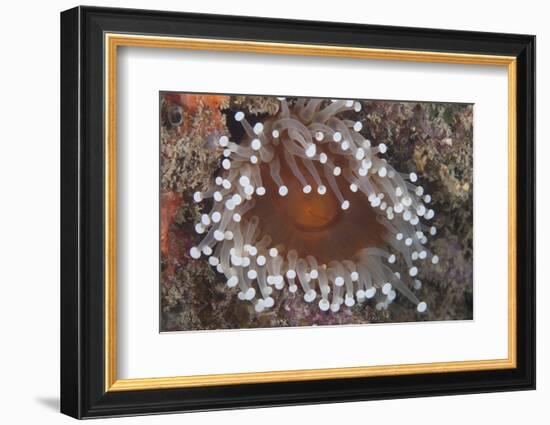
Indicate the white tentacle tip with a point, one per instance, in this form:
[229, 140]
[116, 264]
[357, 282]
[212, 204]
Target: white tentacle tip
[349, 301]
[283, 190]
[345, 205]
[250, 294]
[244, 181]
[239, 116]
[230, 204]
[195, 252]
[232, 281]
[226, 164]
[237, 199]
[324, 305]
[421, 307]
[279, 282]
[386, 288]
[413, 271]
[216, 217]
[291, 274]
[223, 141]
[256, 144]
[366, 164]
[249, 190]
[205, 220]
[311, 150]
[259, 306]
[258, 128]
[310, 295]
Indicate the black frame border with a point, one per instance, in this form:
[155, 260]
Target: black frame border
[82, 205]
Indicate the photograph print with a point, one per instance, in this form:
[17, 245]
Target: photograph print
[307, 211]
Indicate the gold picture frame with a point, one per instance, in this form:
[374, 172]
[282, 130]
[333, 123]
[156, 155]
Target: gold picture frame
[114, 41]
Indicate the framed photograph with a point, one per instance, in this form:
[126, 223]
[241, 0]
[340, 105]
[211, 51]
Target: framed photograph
[261, 212]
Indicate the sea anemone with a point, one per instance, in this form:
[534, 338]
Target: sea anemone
[305, 202]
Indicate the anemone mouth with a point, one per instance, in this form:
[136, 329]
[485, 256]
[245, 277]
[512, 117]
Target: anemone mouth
[304, 200]
[315, 224]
